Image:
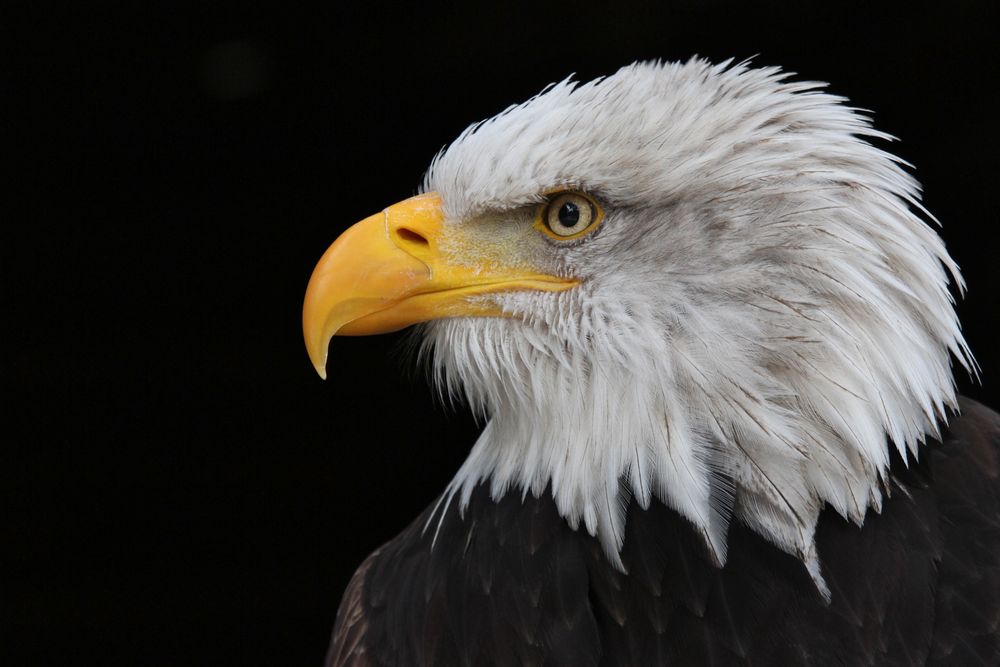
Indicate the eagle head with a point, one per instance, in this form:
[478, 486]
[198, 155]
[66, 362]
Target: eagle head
[694, 282]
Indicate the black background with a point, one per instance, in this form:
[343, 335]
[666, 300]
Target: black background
[180, 486]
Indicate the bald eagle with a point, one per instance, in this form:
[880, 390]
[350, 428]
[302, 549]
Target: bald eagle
[712, 338]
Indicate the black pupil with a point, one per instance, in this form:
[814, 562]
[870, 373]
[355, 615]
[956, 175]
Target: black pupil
[569, 214]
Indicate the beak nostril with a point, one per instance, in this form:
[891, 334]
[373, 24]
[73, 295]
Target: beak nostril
[408, 236]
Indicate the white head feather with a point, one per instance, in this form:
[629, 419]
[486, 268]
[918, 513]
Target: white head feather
[762, 312]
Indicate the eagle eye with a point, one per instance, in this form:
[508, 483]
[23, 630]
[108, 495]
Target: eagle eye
[569, 215]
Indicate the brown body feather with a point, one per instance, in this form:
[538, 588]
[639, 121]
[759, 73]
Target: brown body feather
[511, 584]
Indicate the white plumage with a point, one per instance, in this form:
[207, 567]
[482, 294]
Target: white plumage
[762, 310]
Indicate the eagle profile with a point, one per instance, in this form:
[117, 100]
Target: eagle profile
[712, 338]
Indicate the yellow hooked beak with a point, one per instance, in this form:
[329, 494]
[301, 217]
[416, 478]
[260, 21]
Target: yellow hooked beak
[390, 271]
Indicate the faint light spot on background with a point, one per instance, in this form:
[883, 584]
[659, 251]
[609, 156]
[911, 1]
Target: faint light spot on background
[235, 70]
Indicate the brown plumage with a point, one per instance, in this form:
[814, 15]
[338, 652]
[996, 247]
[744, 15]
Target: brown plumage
[512, 584]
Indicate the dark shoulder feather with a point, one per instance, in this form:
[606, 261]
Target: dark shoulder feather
[965, 472]
[508, 582]
[347, 646]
